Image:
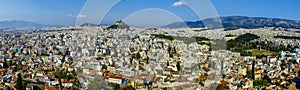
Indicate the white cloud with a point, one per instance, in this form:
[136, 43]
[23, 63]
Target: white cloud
[76, 16]
[81, 16]
[179, 3]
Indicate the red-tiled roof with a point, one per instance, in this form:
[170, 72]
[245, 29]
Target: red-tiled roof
[202, 78]
[116, 77]
[223, 82]
[27, 75]
[229, 77]
[52, 88]
[245, 80]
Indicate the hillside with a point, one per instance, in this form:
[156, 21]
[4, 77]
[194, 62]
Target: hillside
[239, 22]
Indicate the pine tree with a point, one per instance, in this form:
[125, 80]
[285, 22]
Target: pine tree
[168, 63]
[5, 65]
[147, 60]
[19, 85]
[253, 66]
[178, 65]
[174, 50]
[169, 49]
[60, 83]
[131, 61]
[16, 68]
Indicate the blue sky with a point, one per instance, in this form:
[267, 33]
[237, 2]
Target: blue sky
[66, 12]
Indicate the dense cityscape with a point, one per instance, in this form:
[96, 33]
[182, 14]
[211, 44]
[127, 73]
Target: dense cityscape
[149, 45]
[120, 57]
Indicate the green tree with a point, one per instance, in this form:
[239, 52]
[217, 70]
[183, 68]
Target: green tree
[138, 56]
[76, 85]
[260, 82]
[73, 72]
[36, 88]
[45, 53]
[222, 87]
[104, 66]
[99, 58]
[127, 88]
[249, 74]
[60, 53]
[10, 63]
[171, 55]
[24, 84]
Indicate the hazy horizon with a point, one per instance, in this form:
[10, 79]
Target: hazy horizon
[67, 12]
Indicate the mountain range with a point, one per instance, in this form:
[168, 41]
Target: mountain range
[237, 21]
[227, 22]
[21, 24]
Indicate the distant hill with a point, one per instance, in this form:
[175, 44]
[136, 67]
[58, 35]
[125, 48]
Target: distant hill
[239, 22]
[89, 24]
[241, 39]
[21, 24]
[119, 25]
